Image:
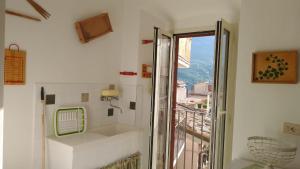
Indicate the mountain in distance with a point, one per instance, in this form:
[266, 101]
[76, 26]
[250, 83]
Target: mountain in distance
[201, 67]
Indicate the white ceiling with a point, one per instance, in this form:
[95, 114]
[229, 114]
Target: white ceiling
[181, 9]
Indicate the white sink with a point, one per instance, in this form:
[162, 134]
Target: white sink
[112, 130]
[89, 150]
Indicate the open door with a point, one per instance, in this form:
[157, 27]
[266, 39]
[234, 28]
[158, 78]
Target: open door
[163, 121]
[160, 100]
[223, 95]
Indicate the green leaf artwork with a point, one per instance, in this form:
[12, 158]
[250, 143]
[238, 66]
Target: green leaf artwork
[277, 67]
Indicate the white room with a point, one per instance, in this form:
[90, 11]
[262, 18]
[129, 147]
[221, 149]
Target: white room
[75, 100]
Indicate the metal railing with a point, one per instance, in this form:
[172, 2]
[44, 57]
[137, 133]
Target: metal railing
[187, 120]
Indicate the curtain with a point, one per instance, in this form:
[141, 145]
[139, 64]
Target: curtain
[131, 162]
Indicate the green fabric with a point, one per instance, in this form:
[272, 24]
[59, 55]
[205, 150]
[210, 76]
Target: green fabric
[132, 162]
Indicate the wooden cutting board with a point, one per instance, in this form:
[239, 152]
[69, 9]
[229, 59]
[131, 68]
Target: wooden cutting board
[93, 27]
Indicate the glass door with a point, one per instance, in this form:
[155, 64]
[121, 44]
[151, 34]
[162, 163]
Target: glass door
[161, 154]
[220, 105]
[160, 100]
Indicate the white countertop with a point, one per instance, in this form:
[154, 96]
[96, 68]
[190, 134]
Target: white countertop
[76, 139]
[245, 164]
[117, 131]
[240, 164]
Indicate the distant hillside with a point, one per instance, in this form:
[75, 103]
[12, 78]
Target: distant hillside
[201, 69]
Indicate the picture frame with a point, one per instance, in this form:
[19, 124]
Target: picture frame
[275, 67]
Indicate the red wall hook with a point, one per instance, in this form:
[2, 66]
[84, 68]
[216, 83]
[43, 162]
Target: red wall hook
[126, 73]
[146, 41]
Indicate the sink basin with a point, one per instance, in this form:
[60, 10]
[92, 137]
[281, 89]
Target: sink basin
[89, 150]
[111, 130]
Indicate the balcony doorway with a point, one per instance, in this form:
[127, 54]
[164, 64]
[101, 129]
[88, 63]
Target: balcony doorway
[192, 100]
[193, 115]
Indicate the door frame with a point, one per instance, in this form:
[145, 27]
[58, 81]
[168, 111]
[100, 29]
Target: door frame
[2, 35]
[176, 38]
[231, 79]
[226, 149]
[157, 33]
[173, 81]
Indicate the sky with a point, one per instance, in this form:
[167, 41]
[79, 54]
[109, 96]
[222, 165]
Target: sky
[202, 56]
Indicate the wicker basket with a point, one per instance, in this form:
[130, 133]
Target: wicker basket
[271, 152]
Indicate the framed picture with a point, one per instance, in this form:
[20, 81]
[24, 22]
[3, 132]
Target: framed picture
[275, 67]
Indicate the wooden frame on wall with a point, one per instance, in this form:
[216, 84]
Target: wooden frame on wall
[93, 27]
[275, 67]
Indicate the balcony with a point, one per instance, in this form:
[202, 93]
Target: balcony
[192, 136]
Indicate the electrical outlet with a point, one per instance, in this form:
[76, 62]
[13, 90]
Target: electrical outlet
[132, 105]
[85, 97]
[110, 112]
[50, 99]
[291, 128]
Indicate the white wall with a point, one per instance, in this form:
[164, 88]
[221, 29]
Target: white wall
[69, 95]
[261, 109]
[129, 58]
[205, 20]
[54, 54]
[144, 85]
[138, 24]
[2, 21]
